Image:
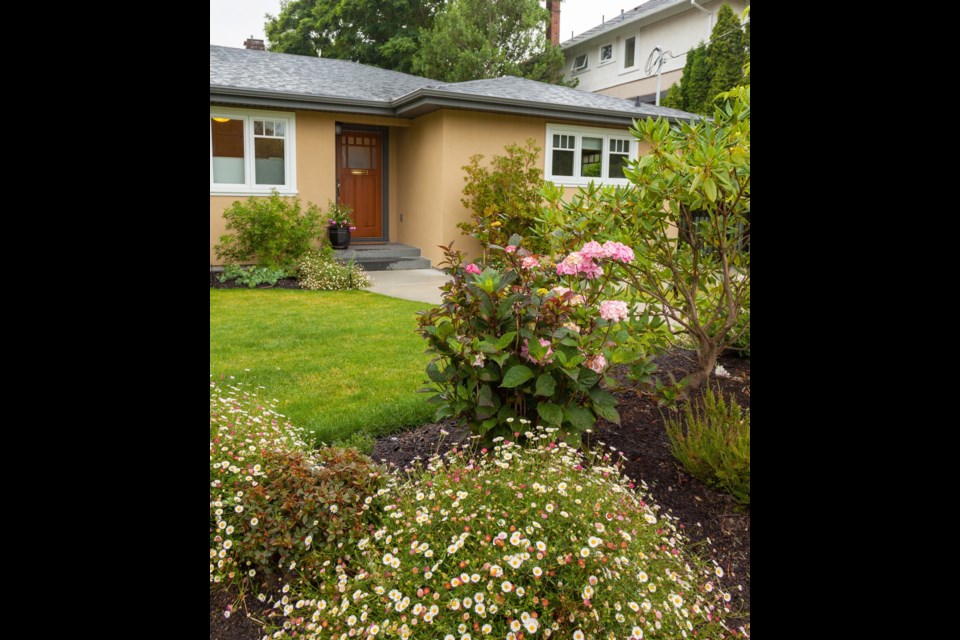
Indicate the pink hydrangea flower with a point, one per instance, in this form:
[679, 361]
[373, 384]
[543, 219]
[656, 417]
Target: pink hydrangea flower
[530, 262]
[617, 251]
[510, 248]
[576, 263]
[472, 268]
[613, 310]
[597, 363]
[547, 359]
[593, 250]
[573, 301]
[570, 264]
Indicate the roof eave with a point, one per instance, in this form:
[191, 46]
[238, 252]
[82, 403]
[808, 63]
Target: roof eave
[426, 100]
[573, 42]
[266, 98]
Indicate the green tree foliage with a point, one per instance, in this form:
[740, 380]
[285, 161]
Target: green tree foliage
[713, 68]
[474, 39]
[727, 53]
[690, 94]
[382, 33]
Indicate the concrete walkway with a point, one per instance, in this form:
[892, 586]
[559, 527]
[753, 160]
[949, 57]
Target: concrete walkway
[420, 285]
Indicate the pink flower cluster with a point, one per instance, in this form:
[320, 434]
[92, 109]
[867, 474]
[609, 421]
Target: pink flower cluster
[529, 262]
[576, 263]
[609, 250]
[613, 310]
[472, 268]
[597, 363]
[547, 359]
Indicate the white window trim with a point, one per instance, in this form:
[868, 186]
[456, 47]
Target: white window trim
[636, 54]
[586, 63]
[613, 54]
[289, 188]
[576, 180]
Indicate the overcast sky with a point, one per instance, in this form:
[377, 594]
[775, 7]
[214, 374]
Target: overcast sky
[233, 21]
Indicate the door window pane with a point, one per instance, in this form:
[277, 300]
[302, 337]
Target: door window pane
[358, 157]
[227, 151]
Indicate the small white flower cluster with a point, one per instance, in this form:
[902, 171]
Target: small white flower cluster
[327, 274]
[580, 560]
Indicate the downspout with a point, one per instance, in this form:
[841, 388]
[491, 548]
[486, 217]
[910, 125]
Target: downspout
[709, 18]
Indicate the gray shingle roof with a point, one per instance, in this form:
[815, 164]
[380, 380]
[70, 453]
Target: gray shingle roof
[242, 76]
[627, 16]
[521, 89]
[307, 76]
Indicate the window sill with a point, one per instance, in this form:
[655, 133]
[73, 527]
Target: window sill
[282, 192]
[570, 181]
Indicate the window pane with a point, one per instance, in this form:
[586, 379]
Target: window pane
[628, 52]
[606, 52]
[556, 140]
[279, 128]
[591, 156]
[258, 127]
[268, 127]
[618, 163]
[562, 163]
[358, 157]
[228, 151]
[269, 160]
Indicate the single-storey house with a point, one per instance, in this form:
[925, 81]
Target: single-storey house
[392, 145]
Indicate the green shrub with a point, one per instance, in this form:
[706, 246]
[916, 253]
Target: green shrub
[505, 197]
[252, 276]
[320, 271]
[713, 444]
[272, 231]
[531, 540]
[274, 502]
[511, 344]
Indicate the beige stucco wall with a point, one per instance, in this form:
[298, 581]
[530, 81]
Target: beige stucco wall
[316, 166]
[426, 159]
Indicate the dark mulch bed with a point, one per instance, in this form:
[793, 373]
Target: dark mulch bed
[702, 512]
[282, 283]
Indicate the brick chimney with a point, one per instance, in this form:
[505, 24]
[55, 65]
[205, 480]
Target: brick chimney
[553, 27]
[256, 45]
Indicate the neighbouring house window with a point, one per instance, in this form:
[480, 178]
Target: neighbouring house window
[580, 62]
[581, 154]
[629, 52]
[251, 152]
[606, 53]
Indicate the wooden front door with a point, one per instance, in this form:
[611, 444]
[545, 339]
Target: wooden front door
[359, 185]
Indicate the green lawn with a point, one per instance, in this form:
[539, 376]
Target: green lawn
[339, 362]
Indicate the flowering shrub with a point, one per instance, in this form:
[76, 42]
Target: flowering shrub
[322, 272]
[273, 500]
[338, 215]
[531, 541]
[511, 344]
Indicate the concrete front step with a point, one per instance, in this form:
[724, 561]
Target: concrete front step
[392, 256]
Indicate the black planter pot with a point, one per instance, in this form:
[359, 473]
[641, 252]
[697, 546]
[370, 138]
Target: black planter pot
[339, 237]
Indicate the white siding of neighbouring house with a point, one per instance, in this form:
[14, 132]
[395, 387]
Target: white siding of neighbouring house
[677, 33]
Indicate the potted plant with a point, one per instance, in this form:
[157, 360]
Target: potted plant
[340, 224]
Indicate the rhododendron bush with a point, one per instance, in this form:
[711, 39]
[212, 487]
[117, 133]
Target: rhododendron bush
[535, 339]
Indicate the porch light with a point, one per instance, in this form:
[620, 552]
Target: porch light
[221, 119]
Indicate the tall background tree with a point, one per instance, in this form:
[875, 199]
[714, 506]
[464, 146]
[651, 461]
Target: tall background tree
[382, 33]
[473, 39]
[713, 69]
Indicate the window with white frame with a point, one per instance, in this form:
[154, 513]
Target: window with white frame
[580, 62]
[630, 52]
[577, 155]
[251, 151]
[606, 53]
